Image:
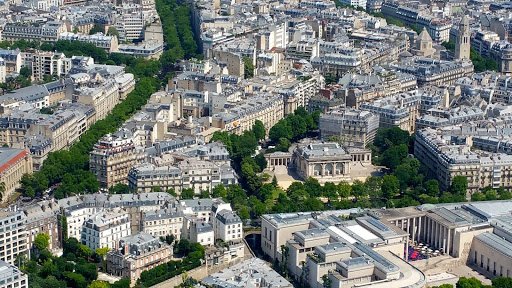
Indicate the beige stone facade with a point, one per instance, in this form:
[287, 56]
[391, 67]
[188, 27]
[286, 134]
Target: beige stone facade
[14, 163]
[112, 158]
[135, 254]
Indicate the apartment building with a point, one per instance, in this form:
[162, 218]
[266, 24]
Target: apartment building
[109, 43]
[135, 254]
[399, 110]
[199, 175]
[144, 177]
[130, 26]
[105, 228]
[447, 153]
[43, 217]
[354, 128]
[14, 235]
[431, 72]
[150, 49]
[48, 63]
[102, 94]
[163, 222]
[113, 156]
[78, 209]
[14, 163]
[48, 32]
[267, 108]
[12, 60]
[12, 277]
[228, 226]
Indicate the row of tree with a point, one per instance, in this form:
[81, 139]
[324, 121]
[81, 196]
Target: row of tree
[69, 168]
[177, 28]
[498, 282]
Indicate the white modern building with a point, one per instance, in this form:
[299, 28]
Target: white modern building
[12, 277]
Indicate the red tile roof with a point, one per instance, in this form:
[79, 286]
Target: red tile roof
[13, 161]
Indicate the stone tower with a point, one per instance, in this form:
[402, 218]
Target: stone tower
[462, 45]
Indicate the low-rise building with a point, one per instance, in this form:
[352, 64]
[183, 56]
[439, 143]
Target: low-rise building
[109, 43]
[135, 254]
[250, 273]
[150, 49]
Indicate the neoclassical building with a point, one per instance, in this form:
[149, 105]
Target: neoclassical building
[324, 161]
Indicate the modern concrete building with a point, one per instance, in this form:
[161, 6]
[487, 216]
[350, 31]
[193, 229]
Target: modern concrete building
[14, 234]
[12, 277]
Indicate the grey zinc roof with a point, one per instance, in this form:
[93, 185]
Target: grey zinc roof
[497, 243]
[228, 217]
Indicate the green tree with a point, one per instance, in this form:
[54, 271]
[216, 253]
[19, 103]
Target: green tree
[98, 284]
[204, 194]
[112, 31]
[432, 188]
[96, 29]
[390, 187]
[259, 130]
[459, 185]
[172, 192]
[248, 68]
[502, 282]
[219, 191]
[187, 193]
[283, 145]
[42, 241]
[25, 72]
[478, 196]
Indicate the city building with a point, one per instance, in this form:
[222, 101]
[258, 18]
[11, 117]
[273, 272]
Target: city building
[43, 217]
[250, 273]
[228, 226]
[163, 222]
[105, 228]
[135, 254]
[11, 276]
[353, 128]
[113, 156]
[109, 43]
[14, 163]
[399, 110]
[13, 234]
